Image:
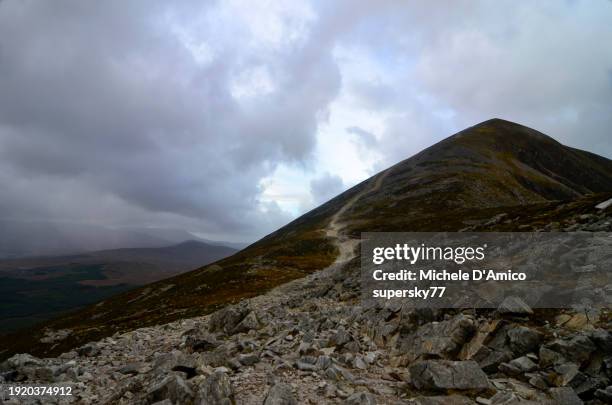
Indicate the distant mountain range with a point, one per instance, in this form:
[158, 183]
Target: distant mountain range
[463, 182]
[37, 288]
[20, 239]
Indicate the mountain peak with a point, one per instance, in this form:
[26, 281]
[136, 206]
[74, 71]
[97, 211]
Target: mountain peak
[495, 121]
[504, 133]
[493, 168]
[508, 163]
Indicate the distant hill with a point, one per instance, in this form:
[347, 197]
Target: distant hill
[20, 239]
[234, 245]
[185, 255]
[34, 289]
[459, 183]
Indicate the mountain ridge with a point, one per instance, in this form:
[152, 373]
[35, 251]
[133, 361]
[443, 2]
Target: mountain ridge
[287, 325]
[22, 239]
[459, 182]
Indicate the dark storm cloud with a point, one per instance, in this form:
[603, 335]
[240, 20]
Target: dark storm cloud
[171, 114]
[105, 103]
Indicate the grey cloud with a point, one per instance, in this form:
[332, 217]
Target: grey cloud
[107, 115]
[104, 109]
[543, 64]
[325, 187]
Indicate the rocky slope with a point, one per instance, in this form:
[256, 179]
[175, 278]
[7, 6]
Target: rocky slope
[311, 341]
[460, 182]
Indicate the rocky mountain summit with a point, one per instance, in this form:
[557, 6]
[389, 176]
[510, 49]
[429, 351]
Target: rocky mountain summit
[310, 339]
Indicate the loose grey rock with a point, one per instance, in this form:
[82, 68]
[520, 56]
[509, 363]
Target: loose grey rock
[603, 340]
[171, 360]
[19, 361]
[69, 355]
[565, 396]
[304, 366]
[505, 398]
[489, 359]
[361, 398]
[336, 373]
[550, 357]
[524, 364]
[538, 381]
[323, 362]
[444, 375]
[44, 373]
[248, 323]
[248, 359]
[523, 340]
[52, 336]
[173, 388]
[341, 338]
[216, 390]
[440, 340]
[476, 345]
[226, 319]
[442, 400]
[577, 349]
[280, 394]
[88, 350]
[568, 373]
[604, 394]
[331, 348]
[132, 368]
[201, 342]
[360, 363]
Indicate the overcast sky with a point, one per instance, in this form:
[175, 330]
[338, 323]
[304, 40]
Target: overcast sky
[229, 120]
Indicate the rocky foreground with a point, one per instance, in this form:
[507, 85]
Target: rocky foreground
[311, 341]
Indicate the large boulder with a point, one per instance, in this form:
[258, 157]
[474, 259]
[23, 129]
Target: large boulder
[19, 361]
[523, 340]
[488, 347]
[234, 319]
[603, 339]
[172, 360]
[577, 349]
[439, 339]
[478, 340]
[24, 366]
[565, 396]
[604, 395]
[448, 375]
[19, 365]
[88, 350]
[280, 394]
[173, 388]
[518, 366]
[200, 341]
[250, 322]
[216, 390]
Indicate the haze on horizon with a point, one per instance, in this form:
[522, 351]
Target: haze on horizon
[229, 121]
